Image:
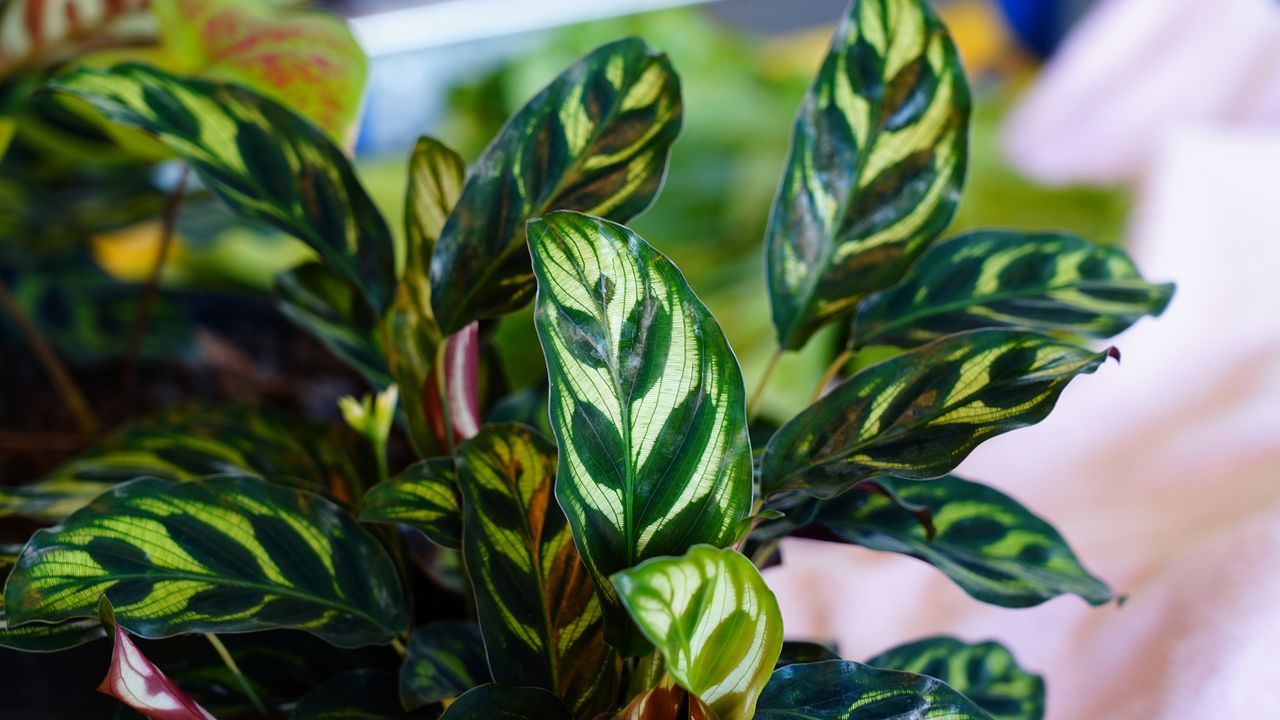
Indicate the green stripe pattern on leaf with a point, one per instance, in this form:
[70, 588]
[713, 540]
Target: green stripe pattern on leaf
[845, 690]
[992, 278]
[222, 554]
[423, 495]
[992, 547]
[646, 402]
[538, 610]
[877, 160]
[917, 415]
[986, 673]
[714, 620]
[443, 660]
[595, 140]
[267, 163]
[330, 309]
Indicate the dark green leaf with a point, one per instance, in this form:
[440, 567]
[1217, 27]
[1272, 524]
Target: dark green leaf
[221, 554]
[266, 162]
[877, 159]
[443, 660]
[353, 695]
[503, 702]
[595, 140]
[538, 611]
[986, 673]
[330, 309]
[799, 651]
[917, 415]
[992, 547]
[845, 690]
[48, 637]
[993, 278]
[646, 403]
[424, 495]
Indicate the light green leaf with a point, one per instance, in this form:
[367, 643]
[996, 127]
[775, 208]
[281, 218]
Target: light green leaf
[266, 162]
[538, 611]
[646, 403]
[424, 495]
[331, 310]
[845, 690]
[714, 620]
[918, 415]
[503, 702]
[221, 554]
[992, 547]
[878, 155]
[986, 673]
[994, 278]
[443, 660]
[595, 140]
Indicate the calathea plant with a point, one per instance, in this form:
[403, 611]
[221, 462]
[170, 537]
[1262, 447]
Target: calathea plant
[610, 570]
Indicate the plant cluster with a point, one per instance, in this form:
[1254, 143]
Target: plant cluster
[608, 567]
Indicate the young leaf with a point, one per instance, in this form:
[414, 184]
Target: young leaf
[136, 682]
[538, 611]
[667, 701]
[595, 140]
[995, 278]
[646, 403]
[503, 702]
[877, 159]
[443, 660]
[361, 694]
[331, 310]
[917, 415]
[841, 689]
[461, 368]
[266, 162]
[424, 495]
[221, 554]
[714, 620]
[986, 673]
[992, 547]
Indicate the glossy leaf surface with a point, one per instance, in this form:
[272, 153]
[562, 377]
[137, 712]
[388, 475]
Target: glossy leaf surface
[918, 415]
[222, 554]
[503, 702]
[1043, 281]
[646, 402]
[714, 620]
[877, 159]
[443, 660]
[264, 161]
[137, 682]
[844, 690]
[424, 495]
[595, 140]
[538, 610]
[992, 547]
[986, 673]
[48, 637]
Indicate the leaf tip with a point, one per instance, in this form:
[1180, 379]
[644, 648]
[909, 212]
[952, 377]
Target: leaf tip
[1113, 352]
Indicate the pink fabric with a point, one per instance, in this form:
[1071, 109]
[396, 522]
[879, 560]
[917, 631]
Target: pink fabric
[1164, 471]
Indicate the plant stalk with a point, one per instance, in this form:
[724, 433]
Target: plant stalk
[72, 397]
[753, 405]
[831, 372]
[235, 670]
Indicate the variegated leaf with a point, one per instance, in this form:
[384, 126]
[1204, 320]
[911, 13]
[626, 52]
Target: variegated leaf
[667, 701]
[595, 140]
[331, 310]
[714, 620]
[48, 637]
[845, 690]
[266, 162]
[193, 441]
[917, 415]
[138, 683]
[443, 660]
[424, 495]
[992, 547]
[538, 611]
[878, 155]
[435, 181]
[646, 403]
[986, 673]
[34, 33]
[801, 651]
[503, 702]
[222, 554]
[994, 278]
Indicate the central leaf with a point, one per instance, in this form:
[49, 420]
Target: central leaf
[647, 403]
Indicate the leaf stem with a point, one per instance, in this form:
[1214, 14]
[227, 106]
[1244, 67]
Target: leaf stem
[235, 670]
[753, 405]
[72, 397]
[398, 647]
[831, 372]
[442, 388]
[147, 303]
